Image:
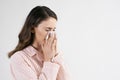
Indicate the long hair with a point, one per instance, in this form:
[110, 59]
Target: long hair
[35, 17]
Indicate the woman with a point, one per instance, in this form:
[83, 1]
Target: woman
[35, 57]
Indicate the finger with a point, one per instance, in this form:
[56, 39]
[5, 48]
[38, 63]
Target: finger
[51, 38]
[42, 46]
[47, 36]
[56, 42]
[55, 36]
[45, 42]
[54, 45]
[45, 39]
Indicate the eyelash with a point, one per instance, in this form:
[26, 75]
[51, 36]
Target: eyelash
[49, 30]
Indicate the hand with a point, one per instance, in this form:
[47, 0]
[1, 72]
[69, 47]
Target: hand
[49, 47]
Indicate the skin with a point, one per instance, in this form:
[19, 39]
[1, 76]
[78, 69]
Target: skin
[46, 46]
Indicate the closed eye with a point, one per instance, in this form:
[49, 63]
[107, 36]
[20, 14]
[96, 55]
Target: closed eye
[54, 29]
[50, 29]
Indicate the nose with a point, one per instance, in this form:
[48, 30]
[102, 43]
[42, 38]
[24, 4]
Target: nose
[51, 32]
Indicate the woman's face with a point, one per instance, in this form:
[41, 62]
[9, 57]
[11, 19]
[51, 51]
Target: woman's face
[43, 28]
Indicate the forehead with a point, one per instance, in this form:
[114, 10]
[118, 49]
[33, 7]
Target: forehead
[50, 22]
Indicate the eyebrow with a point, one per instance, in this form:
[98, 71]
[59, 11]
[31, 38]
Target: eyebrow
[50, 27]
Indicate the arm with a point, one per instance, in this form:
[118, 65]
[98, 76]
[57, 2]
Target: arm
[63, 73]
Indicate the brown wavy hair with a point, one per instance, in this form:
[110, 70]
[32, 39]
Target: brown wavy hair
[35, 17]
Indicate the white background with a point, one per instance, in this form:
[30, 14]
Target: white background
[88, 34]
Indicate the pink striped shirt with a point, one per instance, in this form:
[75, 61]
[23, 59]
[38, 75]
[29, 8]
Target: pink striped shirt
[28, 64]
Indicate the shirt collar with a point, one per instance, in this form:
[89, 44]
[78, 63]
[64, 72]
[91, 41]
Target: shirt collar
[31, 51]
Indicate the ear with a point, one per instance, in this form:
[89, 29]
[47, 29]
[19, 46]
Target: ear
[32, 30]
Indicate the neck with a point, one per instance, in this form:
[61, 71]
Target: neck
[37, 46]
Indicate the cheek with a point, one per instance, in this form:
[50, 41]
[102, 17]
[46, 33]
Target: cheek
[40, 35]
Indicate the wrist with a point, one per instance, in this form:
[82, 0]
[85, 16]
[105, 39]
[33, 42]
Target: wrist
[49, 60]
[46, 59]
[52, 59]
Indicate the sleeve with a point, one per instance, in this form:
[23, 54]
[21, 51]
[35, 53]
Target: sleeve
[50, 70]
[22, 71]
[63, 73]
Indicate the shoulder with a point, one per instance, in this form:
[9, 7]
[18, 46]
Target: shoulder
[17, 57]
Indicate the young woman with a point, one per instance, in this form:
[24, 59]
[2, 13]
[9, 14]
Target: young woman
[35, 57]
